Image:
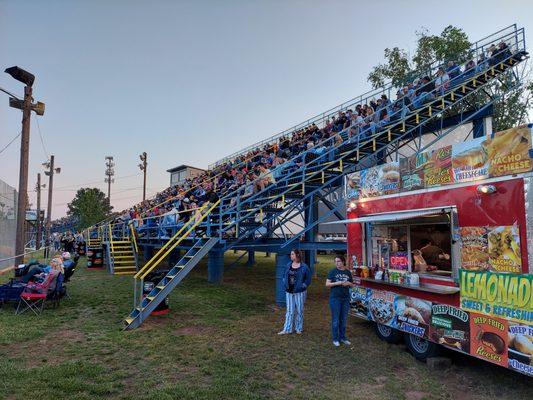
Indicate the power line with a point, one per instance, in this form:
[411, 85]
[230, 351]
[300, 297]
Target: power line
[98, 181]
[12, 140]
[41, 136]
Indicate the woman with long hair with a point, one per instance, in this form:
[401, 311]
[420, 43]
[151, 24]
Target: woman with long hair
[296, 280]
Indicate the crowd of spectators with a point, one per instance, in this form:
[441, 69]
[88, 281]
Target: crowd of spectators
[262, 166]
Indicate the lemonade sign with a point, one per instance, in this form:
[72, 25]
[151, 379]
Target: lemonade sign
[498, 294]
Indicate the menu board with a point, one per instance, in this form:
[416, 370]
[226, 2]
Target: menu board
[489, 338]
[438, 171]
[506, 153]
[470, 161]
[494, 248]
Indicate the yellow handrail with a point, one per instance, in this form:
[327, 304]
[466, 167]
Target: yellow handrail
[134, 239]
[172, 243]
[196, 223]
[161, 250]
[110, 233]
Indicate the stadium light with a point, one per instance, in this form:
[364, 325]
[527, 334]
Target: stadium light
[21, 75]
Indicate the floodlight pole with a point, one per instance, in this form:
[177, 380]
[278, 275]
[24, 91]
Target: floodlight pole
[50, 174]
[23, 176]
[142, 166]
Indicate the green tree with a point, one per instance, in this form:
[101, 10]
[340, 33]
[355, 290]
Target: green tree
[89, 206]
[511, 108]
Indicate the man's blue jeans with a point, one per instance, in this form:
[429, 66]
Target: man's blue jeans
[339, 312]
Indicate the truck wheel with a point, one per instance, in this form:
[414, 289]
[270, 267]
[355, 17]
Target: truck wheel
[421, 348]
[387, 334]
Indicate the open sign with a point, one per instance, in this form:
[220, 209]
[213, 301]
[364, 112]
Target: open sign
[399, 260]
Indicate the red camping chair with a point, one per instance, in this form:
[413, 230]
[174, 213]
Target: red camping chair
[34, 295]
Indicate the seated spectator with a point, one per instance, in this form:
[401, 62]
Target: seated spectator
[424, 93]
[442, 81]
[453, 70]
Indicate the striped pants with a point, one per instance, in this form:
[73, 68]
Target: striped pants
[295, 311]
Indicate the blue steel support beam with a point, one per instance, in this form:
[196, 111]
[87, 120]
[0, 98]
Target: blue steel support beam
[215, 265]
[148, 252]
[282, 259]
[310, 215]
[479, 128]
[251, 258]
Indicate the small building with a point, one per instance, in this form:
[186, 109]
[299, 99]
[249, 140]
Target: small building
[180, 173]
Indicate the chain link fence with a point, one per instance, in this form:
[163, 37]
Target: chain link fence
[8, 223]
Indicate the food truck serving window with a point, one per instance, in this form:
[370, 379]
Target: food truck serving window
[415, 241]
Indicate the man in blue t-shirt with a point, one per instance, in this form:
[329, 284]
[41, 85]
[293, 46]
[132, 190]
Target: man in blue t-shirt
[340, 281]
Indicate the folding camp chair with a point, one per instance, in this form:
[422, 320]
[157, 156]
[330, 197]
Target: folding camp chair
[59, 292]
[34, 295]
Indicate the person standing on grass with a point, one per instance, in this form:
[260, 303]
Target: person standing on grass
[340, 281]
[296, 280]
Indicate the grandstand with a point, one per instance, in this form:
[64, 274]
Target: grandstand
[251, 199]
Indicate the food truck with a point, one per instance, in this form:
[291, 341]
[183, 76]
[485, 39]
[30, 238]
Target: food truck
[441, 246]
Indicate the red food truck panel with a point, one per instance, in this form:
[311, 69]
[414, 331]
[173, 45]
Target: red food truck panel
[503, 208]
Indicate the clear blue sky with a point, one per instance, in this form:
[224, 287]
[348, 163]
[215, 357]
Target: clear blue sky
[192, 81]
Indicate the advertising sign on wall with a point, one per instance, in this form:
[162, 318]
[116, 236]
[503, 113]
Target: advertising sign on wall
[506, 153]
[450, 327]
[502, 295]
[438, 170]
[520, 348]
[494, 248]
[412, 171]
[489, 338]
[359, 297]
[413, 316]
[470, 161]
[382, 307]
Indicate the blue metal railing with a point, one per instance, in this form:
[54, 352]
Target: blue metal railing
[476, 49]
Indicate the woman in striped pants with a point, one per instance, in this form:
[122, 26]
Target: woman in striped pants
[296, 279]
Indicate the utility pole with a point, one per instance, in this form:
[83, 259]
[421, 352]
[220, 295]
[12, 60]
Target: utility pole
[26, 106]
[109, 173]
[23, 175]
[142, 166]
[51, 170]
[39, 223]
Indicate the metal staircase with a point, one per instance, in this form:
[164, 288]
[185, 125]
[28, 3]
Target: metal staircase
[176, 274]
[121, 248]
[143, 306]
[122, 258]
[237, 220]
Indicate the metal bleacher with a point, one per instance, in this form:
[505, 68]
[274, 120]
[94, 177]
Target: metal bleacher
[262, 221]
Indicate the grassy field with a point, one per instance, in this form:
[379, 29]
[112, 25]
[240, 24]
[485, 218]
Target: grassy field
[219, 342]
